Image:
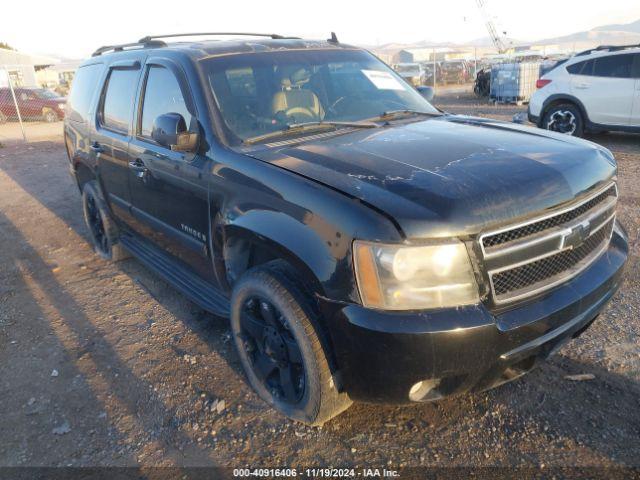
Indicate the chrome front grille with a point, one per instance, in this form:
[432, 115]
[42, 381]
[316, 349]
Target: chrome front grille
[534, 256]
[547, 223]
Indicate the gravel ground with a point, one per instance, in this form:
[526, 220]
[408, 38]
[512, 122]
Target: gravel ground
[105, 364]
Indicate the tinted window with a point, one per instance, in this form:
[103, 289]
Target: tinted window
[117, 105]
[82, 90]
[581, 68]
[615, 66]
[162, 95]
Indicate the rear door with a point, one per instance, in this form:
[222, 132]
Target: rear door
[605, 87]
[635, 113]
[114, 120]
[169, 190]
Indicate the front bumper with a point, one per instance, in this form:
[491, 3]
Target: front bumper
[381, 355]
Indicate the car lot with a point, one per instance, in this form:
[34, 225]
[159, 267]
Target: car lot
[104, 364]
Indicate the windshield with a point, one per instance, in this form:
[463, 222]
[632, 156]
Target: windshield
[45, 94]
[261, 93]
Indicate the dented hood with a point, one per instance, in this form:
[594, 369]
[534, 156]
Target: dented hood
[450, 175]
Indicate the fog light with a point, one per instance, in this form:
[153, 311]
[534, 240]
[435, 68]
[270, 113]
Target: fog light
[425, 390]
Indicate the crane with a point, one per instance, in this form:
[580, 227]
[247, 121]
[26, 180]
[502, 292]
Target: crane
[491, 28]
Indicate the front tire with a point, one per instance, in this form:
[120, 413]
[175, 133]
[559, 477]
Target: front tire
[49, 116]
[102, 229]
[274, 330]
[564, 118]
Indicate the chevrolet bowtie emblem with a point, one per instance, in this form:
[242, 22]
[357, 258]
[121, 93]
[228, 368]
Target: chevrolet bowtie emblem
[576, 236]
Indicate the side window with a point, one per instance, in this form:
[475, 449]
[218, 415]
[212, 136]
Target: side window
[162, 94]
[613, 66]
[27, 96]
[83, 87]
[117, 103]
[581, 68]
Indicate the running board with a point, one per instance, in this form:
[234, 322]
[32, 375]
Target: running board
[196, 289]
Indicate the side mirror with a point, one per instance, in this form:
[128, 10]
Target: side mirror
[427, 92]
[170, 131]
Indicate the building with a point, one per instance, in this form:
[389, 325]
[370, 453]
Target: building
[58, 75]
[21, 68]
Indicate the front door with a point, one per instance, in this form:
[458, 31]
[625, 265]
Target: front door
[114, 118]
[169, 190]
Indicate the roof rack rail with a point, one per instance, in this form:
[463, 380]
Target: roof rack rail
[274, 36]
[124, 46]
[609, 48]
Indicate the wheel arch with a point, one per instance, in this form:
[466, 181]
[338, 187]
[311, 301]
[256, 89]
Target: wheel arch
[261, 236]
[83, 173]
[560, 98]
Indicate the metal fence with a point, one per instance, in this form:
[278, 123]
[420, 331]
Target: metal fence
[28, 110]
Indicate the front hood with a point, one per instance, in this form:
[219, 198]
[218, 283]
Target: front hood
[450, 175]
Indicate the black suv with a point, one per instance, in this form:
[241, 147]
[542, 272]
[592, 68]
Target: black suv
[366, 245]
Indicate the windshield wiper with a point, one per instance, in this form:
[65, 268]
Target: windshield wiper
[303, 127]
[405, 112]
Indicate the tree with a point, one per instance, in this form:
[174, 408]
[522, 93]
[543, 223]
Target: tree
[6, 46]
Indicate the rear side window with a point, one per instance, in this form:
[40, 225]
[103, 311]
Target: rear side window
[614, 66]
[83, 88]
[162, 95]
[611, 66]
[581, 68]
[117, 104]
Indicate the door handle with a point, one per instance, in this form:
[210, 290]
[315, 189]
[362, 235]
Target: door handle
[139, 168]
[96, 147]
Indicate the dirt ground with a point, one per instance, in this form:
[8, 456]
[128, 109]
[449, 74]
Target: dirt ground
[106, 365]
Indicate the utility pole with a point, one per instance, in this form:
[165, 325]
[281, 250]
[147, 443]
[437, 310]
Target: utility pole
[434, 67]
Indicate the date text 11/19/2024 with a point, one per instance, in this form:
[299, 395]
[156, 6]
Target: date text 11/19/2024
[316, 472]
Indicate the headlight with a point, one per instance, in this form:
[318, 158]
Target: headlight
[61, 106]
[397, 277]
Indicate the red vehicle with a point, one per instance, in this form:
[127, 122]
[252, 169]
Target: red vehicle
[34, 103]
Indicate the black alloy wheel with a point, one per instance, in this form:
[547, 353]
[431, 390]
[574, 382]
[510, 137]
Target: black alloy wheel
[102, 230]
[274, 355]
[566, 119]
[96, 225]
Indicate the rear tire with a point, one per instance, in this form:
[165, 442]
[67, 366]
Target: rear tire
[274, 330]
[564, 118]
[103, 231]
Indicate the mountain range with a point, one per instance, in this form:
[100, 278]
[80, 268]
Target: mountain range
[614, 34]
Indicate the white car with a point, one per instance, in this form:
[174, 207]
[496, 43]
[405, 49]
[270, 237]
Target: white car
[594, 91]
